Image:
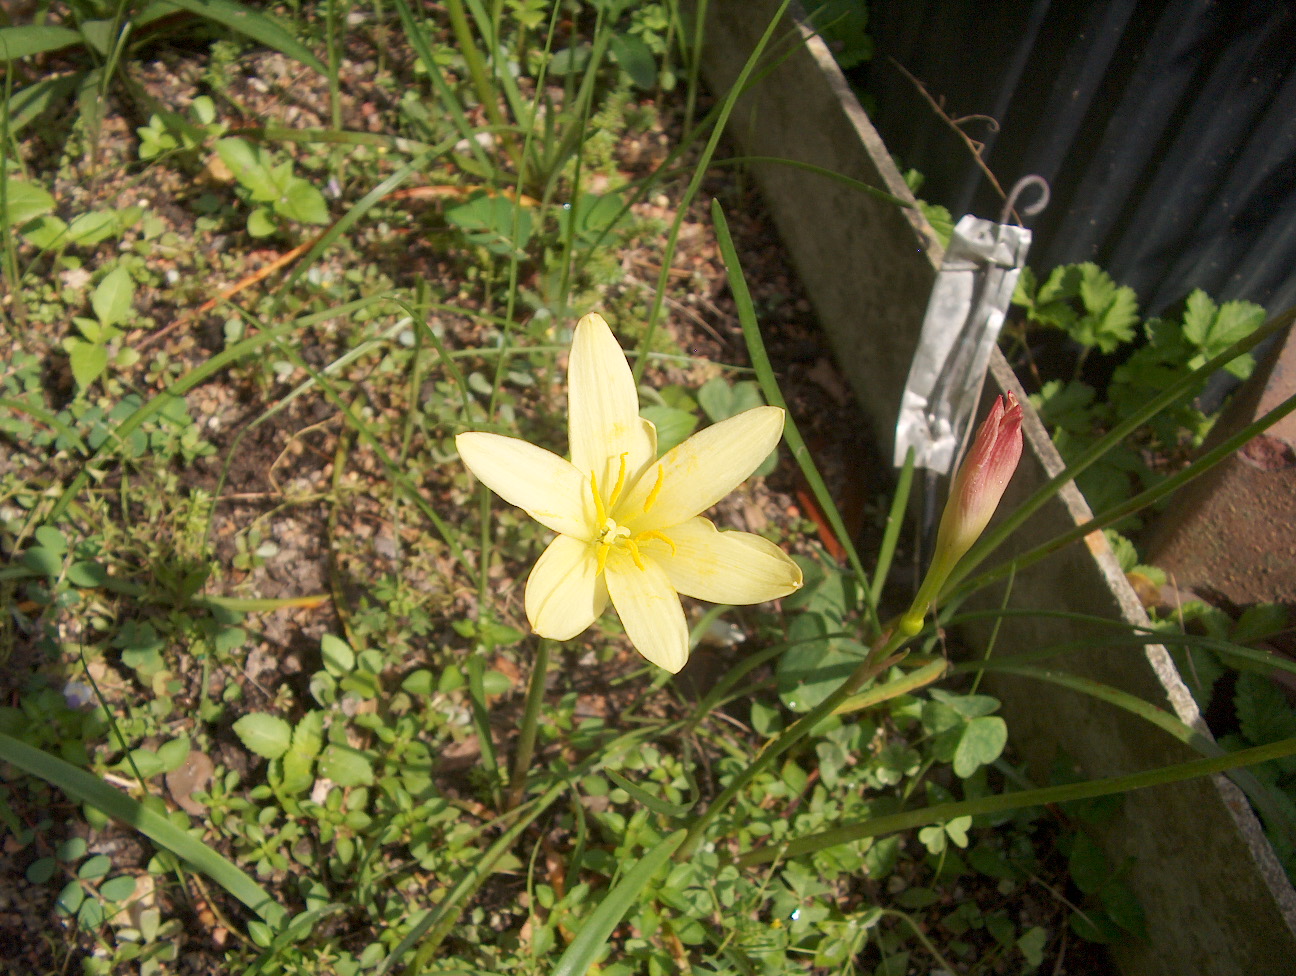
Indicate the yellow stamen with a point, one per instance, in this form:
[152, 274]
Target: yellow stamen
[598, 499]
[634, 552]
[654, 534]
[656, 488]
[620, 482]
[602, 557]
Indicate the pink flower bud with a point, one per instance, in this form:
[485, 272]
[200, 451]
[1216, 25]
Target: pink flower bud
[974, 496]
[981, 481]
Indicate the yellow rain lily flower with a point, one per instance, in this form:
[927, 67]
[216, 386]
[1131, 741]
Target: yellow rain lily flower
[628, 522]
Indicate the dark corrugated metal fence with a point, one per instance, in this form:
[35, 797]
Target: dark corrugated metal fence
[1166, 128]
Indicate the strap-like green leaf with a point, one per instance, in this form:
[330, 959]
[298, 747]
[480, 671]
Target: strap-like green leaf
[19, 42]
[85, 787]
[262, 28]
[593, 935]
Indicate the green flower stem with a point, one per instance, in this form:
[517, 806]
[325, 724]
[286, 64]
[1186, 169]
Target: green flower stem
[481, 719]
[880, 657]
[530, 719]
[937, 573]
[1003, 802]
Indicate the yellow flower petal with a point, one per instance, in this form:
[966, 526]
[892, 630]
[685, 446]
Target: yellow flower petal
[564, 593]
[649, 609]
[545, 486]
[702, 470]
[603, 407]
[725, 567]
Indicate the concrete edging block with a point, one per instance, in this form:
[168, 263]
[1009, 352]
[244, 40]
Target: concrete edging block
[1216, 899]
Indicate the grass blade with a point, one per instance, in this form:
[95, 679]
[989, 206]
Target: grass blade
[262, 28]
[1003, 802]
[85, 787]
[26, 39]
[770, 387]
[593, 935]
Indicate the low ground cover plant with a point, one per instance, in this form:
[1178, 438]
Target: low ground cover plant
[289, 691]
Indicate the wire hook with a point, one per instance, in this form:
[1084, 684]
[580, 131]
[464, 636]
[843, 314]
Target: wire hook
[1031, 209]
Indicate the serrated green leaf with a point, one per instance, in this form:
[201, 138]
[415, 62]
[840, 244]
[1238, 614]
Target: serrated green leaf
[1087, 864]
[346, 766]
[45, 232]
[248, 166]
[337, 655]
[267, 735]
[308, 737]
[90, 229]
[1262, 710]
[1066, 405]
[1124, 908]
[299, 761]
[1211, 329]
[173, 754]
[1111, 311]
[25, 201]
[303, 203]
[142, 762]
[1063, 284]
[88, 361]
[1199, 316]
[260, 223]
[420, 682]
[112, 298]
[635, 59]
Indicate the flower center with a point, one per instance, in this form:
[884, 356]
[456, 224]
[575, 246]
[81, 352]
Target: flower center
[613, 536]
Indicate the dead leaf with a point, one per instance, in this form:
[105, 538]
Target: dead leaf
[190, 776]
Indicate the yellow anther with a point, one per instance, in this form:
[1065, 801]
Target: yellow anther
[654, 534]
[602, 556]
[620, 482]
[656, 488]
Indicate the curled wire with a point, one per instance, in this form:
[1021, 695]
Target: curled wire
[1031, 209]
